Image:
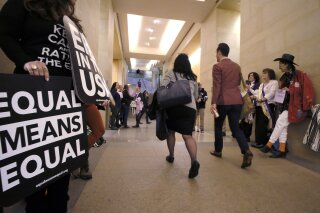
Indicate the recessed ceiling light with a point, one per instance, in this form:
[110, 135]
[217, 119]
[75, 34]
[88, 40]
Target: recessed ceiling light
[201, 0]
[134, 25]
[156, 21]
[170, 33]
[152, 38]
[148, 43]
[150, 30]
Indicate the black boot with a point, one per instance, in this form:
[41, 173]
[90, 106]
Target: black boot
[194, 170]
[247, 159]
[265, 149]
[170, 159]
[85, 173]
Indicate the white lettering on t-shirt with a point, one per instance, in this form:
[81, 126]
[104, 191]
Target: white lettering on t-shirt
[59, 55]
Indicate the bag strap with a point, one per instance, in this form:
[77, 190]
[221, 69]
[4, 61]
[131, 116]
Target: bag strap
[175, 74]
[242, 81]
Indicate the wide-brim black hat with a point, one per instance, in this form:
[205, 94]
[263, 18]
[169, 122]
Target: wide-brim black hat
[286, 57]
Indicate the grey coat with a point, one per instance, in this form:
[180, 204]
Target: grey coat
[169, 77]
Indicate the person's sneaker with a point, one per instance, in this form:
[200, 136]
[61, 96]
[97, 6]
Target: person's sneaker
[194, 170]
[75, 174]
[85, 174]
[99, 142]
[135, 126]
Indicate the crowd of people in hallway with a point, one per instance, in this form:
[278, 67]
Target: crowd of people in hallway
[276, 105]
[126, 100]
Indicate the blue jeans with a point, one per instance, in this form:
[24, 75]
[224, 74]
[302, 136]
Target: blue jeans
[233, 113]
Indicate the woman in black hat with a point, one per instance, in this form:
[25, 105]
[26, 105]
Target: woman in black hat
[298, 99]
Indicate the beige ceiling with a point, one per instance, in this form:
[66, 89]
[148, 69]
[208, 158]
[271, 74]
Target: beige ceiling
[230, 5]
[190, 11]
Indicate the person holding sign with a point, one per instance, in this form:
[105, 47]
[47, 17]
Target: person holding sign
[299, 97]
[33, 36]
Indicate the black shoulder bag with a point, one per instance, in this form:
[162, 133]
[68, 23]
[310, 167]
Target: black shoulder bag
[174, 94]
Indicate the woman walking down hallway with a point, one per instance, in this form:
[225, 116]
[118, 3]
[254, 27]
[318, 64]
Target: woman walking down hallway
[181, 119]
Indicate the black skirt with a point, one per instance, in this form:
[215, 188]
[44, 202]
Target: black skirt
[181, 119]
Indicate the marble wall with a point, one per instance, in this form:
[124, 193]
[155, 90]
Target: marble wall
[220, 26]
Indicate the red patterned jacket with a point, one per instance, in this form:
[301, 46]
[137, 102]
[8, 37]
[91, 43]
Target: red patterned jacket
[301, 97]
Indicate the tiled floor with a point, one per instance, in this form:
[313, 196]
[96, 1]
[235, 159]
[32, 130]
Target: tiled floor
[131, 175]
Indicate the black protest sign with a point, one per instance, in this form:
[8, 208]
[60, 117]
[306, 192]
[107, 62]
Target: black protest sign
[89, 82]
[42, 133]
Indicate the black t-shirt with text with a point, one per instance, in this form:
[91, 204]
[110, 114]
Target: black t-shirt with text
[25, 37]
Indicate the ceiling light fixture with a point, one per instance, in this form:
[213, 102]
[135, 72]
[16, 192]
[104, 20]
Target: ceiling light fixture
[134, 25]
[170, 33]
[150, 30]
[152, 38]
[148, 43]
[201, 0]
[156, 21]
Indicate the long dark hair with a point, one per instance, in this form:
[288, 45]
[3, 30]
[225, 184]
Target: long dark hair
[113, 87]
[255, 76]
[53, 10]
[182, 65]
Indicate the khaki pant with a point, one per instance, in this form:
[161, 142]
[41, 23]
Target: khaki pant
[200, 118]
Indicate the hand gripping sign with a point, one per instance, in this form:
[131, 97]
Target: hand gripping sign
[42, 134]
[89, 83]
